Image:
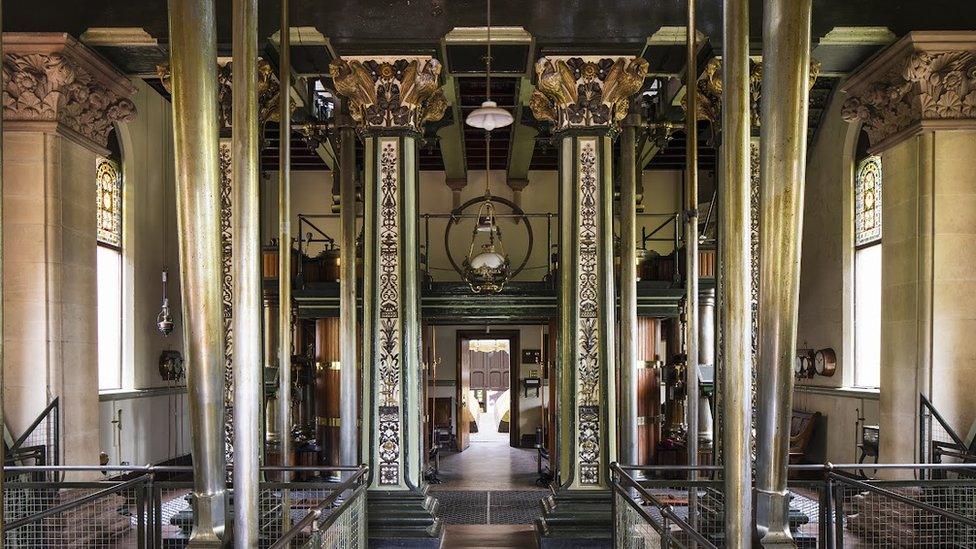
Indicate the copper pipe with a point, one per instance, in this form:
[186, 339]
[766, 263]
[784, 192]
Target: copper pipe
[285, 337]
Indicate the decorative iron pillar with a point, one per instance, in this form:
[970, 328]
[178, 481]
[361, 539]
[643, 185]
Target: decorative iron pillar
[284, 251]
[391, 99]
[246, 268]
[586, 98]
[786, 56]
[193, 58]
[735, 220]
[349, 387]
[628, 290]
[3, 458]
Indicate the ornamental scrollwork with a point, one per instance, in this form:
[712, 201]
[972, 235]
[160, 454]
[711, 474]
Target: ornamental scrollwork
[51, 87]
[397, 94]
[917, 86]
[578, 93]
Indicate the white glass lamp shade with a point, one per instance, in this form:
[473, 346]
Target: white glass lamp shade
[489, 116]
[487, 260]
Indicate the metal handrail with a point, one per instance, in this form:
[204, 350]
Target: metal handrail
[844, 479]
[326, 504]
[64, 507]
[166, 468]
[665, 509]
[40, 417]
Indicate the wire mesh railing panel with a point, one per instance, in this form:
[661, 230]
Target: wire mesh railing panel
[276, 502]
[631, 529]
[109, 521]
[348, 531]
[879, 520]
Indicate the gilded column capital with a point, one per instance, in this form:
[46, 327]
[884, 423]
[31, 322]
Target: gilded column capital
[268, 91]
[52, 82]
[390, 93]
[926, 80]
[709, 90]
[586, 92]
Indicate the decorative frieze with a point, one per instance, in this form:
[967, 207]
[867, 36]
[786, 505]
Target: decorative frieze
[391, 93]
[586, 92]
[588, 341]
[51, 82]
[389, 359]
[227, 293]
[925, 80]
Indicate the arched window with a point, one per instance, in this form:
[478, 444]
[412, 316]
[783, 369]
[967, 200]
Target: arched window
[867, 267]
[108, 212]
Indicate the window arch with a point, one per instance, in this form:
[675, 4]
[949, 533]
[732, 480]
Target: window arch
[867, 266]
[108, 237]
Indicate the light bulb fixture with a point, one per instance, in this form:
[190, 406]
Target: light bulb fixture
[164, 320]
[486, 269]
[489, 115]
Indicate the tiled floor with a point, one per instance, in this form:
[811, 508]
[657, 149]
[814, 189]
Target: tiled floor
[488, 465]
[471, 536]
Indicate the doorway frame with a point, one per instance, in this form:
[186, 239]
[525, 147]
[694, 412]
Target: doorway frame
[514, 365]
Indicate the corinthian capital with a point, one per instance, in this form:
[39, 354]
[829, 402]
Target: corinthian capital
[925, 80]
[51, 82]
[391, 93]
[709, 90]
[586, 92]
[268, 91]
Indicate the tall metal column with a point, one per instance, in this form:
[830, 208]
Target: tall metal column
[246, 270]
[786, 59]
[348, 389]
[587, 319]
[193, 58]
[284, 243]
[391, 385]
[691, 252]
[3, 458]
[628, 291]
[735, 303]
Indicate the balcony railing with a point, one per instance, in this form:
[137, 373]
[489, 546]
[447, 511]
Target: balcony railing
[831, 506]
[144, 508]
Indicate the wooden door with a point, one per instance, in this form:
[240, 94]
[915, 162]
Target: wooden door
[464, 416]
[648, 389]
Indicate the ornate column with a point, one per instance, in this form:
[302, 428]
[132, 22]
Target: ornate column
[60, 103]
[586, 98]
[391, 99]
[917, 103]
[267, 110]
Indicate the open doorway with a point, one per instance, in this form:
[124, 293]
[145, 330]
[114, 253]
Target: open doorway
[487, 374]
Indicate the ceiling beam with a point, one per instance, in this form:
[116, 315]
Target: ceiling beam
[452, 137]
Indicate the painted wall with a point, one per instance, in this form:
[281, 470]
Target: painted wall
[825, 317]
[149, 405]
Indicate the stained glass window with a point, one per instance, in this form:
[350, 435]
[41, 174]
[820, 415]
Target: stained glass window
[867, 201]
[108, 179]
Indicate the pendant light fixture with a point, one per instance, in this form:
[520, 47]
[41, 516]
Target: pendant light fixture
[487, 270]
[489, 115]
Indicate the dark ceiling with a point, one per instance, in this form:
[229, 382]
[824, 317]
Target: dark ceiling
[423, 23]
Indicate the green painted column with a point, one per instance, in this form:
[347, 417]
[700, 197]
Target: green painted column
[390, 100]
[586, 98]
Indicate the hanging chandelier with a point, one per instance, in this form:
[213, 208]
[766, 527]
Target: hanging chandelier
[486, 269]
[489, 115]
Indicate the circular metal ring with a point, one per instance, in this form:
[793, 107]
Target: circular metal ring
[455, 217]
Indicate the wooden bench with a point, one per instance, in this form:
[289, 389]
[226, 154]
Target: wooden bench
[802, 426]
